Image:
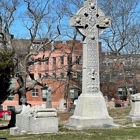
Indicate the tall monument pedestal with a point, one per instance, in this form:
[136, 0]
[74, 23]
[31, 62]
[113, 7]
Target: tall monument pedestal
[91, 112]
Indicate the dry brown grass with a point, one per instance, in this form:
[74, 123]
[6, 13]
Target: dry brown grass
[118, 114]
[64, 117]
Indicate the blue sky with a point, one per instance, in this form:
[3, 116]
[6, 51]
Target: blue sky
[17, 27]
[19, 31]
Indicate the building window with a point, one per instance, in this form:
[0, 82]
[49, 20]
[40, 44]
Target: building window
[132, 90]
[36, 46]
[46, 76]
[44, 94]
[12, 83]
[54, 75]
[39, 75]
[1, 107]
[11, 97]
[32, 75]
[122, 93]
[62, 75]
[79, 75]
[35, 92]
[61, 60]
[54, 60]
[78, 59]
[39, 61]
[70, 75]
[69, 60]
[47, 60]
[10, 108]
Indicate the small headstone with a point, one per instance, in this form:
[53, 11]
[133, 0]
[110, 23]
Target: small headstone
[49, 98]
[62, 106]
[72, 108]
[23, 100]
[111, 104]
[134, 114]
[112, 99]
[125, 104]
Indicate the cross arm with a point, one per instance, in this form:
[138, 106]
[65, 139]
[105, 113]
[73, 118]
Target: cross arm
[104, 22]
[77, 21]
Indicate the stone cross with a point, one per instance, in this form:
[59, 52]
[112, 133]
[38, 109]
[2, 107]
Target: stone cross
[91, 110]
[23, 100]
[90, 21]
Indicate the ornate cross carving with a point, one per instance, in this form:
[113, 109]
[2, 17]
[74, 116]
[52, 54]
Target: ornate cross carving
[23, 100]
[90, 21]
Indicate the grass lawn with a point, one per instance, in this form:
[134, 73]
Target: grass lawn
[119, 114]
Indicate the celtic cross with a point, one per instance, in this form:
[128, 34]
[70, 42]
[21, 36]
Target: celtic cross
[90, 21]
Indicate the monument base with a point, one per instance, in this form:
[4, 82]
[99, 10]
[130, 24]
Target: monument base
[132, 118]
[35, 120]
[91, 112]
[31, 125]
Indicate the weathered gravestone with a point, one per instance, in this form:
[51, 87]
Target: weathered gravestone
[49, 98]
[72, 108]
[35, 120]
[111, 104]
[134, 114]
[62, 106]
[91, 110]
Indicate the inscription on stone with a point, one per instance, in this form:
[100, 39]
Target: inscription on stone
[90, 21]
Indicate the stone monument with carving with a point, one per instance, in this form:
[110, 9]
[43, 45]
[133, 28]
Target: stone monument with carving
[134, 114]
[91, 110]
[35, 120]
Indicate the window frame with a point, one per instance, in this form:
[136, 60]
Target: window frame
[61, 75]
[61, 60]
[39, 60]
[35, 92]
[54, 60]
[47, 60]
[54, 75]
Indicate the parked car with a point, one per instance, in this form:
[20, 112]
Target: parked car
[5, 112]
[1, 114]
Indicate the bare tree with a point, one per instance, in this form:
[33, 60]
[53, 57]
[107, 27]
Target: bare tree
[7, 16]
[123, 35]
[37, 14]
[121, 42]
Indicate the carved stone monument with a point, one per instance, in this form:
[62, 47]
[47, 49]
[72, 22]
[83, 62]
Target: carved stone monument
[91, 110]
[62, 106]
[134, 114]
[35, 120]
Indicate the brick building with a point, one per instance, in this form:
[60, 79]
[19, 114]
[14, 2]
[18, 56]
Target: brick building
[53, 71]
[116, 73]
[119, 74]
